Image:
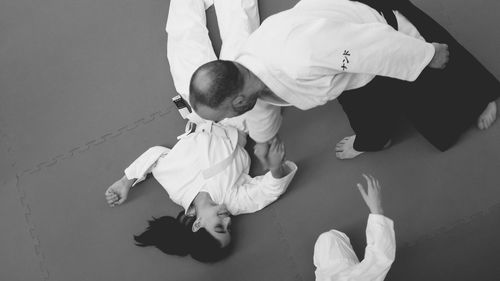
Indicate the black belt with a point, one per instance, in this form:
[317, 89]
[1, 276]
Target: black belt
[384, 7]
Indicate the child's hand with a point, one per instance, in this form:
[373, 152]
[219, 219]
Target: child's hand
[117, 193]
[373, 195]
[276, 154]
[441, 56]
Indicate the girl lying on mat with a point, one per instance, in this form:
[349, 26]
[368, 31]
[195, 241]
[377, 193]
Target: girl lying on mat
[206, 173]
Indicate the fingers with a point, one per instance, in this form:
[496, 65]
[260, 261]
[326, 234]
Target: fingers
[277, 147]
[281, 149]
[113, 198]
[368, 180]
[110, 195]
[377, 184]
[274, 145]
[121, 200]
[362, 191]
[373, 183]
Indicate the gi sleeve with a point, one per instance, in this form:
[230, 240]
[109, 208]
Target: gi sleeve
[143, 165]
[370, 48]
[263, 121]
[256, 193]
[380, 251]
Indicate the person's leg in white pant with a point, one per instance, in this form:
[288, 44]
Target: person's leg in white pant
[188, 45]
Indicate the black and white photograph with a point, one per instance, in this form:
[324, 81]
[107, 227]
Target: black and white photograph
[249, 140]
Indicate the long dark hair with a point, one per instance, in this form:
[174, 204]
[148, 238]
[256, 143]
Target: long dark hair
[174, 236]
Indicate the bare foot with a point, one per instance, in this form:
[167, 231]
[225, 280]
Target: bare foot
[345, 148]
[488, 116]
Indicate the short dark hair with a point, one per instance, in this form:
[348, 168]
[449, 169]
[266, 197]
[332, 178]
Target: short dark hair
[174, 236]
[222, 79]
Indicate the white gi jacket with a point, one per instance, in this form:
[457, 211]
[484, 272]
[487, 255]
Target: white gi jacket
[213, 160]
[335, 259]
[310, 54]
[189, 47]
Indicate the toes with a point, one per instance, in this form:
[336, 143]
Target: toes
[344, 150]
[480, 124]
[340, 145]
[485, 122]
[488, 116]
[488, 122]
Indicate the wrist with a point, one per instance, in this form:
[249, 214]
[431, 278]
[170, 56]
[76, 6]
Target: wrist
[126, 182]
[278, 171]
[377, 211]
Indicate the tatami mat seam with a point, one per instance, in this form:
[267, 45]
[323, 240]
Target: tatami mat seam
[88, 145]
[282, 237]
[59, 158]
[45, 274]
[448, 228]
[5, 139]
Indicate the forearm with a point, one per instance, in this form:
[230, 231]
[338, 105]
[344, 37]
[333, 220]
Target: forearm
[376, 49]
[127, 182]
[379, 253]
[263, 122]
[282, 170]
[143, 165]
[258, 192]
[380, 238]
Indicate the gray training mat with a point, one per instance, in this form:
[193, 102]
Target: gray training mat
[85, 88]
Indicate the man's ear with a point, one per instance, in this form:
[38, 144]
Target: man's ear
[239, 101]
[196, 225]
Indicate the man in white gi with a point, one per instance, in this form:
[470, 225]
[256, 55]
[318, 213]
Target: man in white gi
[189, 47]
[334, 257]
[310, 54]
[210, 165]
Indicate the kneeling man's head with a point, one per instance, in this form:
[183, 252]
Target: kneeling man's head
[221, 89]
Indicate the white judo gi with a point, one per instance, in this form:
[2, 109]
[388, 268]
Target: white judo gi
[189, 47]
[335, 259]
[310, 54]
[213, 160]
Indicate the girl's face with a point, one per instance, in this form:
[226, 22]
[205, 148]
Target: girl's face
[216, 219]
